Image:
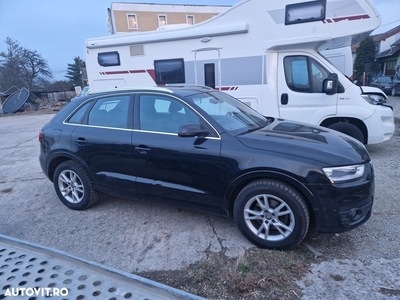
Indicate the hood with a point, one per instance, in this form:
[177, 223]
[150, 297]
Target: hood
[303, 140]
[372, 90]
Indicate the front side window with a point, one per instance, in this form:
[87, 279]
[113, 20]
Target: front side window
[304, 74]
[163, 114]
[169, 71]
[110, 112]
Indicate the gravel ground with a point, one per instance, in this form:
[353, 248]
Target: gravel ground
[364, 263]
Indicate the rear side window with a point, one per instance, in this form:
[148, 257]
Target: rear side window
[110, 112]
[79, 115]
[108, 59]
[170, 71]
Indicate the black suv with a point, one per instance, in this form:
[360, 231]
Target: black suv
[198, 148]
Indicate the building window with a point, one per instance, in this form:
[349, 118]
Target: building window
[162, 20]
[390, 68]
[132, 21]
[190, 20]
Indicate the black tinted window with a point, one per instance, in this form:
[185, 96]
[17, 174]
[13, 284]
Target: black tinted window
[78, 116]
[110, 112]
[108, 59]
[163, 114]
[170, 71]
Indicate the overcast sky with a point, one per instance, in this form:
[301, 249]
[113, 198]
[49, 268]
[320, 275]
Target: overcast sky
[57, 29]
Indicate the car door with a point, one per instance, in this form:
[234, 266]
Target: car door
[103, 142]
[170, 167]
[300, 86]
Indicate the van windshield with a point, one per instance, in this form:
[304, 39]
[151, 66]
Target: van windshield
[227, 111]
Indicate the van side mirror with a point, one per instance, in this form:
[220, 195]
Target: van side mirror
[330, 84]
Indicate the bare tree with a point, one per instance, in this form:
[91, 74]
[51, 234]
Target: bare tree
[22, 67]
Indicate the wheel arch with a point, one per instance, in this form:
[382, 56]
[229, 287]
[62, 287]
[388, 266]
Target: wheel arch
[239, 183]
[57, 158]
[354, 121]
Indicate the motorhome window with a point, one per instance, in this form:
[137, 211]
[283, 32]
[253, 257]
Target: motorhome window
[305, 12]
[170, 71]
[209, 75]
[108, 59]
[162, 20]
[132, 21]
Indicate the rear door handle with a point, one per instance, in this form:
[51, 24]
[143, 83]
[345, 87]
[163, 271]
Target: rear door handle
[81, 141]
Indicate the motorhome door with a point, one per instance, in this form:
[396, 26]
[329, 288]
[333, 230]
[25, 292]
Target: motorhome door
[207, 67]
[300, 88]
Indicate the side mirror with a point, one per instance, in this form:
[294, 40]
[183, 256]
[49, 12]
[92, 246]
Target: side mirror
[190, 129]
[330, 84]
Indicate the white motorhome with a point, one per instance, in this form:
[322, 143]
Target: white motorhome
[265, 53]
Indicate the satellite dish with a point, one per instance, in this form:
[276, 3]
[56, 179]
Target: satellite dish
[15, 101]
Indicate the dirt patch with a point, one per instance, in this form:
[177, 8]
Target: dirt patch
[39, 106]
[256, 274]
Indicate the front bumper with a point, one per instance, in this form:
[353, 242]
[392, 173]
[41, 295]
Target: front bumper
[344, 206]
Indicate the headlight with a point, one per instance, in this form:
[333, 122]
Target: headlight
[374, 98]
[338, 174]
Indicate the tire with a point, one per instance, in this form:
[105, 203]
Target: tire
[349, 129]
[393, 93]
[255, 212]
[73, 186]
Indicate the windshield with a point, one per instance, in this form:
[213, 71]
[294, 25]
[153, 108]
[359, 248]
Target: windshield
[385, 79]
[227, 111]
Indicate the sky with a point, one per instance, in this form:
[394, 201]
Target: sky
[57, 29]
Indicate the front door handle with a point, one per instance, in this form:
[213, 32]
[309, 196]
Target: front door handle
[284, 99]
[142, 149]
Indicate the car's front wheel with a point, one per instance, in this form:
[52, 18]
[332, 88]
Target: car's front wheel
[73, 186]
[271, 214]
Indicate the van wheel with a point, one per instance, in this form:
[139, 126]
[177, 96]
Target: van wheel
[73, 186]
[271, 214]
[349, 129]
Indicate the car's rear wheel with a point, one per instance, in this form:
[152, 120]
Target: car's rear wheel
[393, 91]
[73, 186]
[271, 214]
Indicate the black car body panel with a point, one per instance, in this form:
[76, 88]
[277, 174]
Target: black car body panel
[207, 171]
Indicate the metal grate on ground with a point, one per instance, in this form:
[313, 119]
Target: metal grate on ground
[33, 272]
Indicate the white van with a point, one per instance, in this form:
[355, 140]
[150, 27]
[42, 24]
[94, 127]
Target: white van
[265, 53]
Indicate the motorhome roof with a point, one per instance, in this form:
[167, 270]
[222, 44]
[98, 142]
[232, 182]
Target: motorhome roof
[342, 19]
